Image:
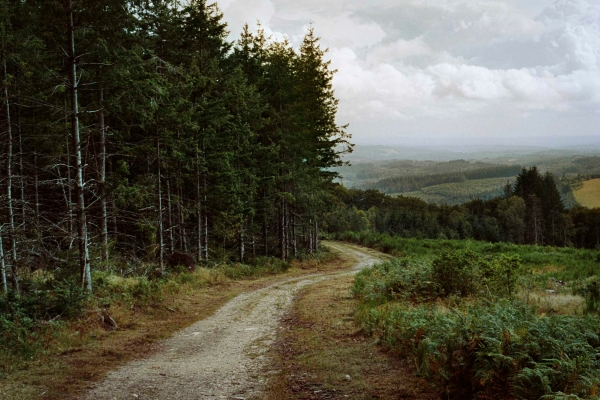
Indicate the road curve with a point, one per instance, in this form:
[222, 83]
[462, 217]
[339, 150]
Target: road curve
[222, 356]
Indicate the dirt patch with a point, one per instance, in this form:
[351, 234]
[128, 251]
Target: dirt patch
[320, 354]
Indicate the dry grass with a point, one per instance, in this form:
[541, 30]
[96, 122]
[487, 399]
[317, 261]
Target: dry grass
[320, 345]
[83, 352]
[555, 303]
[589, 194]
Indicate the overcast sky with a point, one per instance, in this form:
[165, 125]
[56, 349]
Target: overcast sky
[451, 71]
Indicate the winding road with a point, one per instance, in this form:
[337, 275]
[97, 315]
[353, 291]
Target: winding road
[223, 356]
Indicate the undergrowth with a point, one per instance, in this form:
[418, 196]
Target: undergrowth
[37, 321]
[455, 309]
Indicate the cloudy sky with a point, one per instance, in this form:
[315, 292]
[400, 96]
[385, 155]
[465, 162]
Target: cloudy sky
[451, 71]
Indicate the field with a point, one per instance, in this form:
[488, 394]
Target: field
[588, 195]
[461, 192]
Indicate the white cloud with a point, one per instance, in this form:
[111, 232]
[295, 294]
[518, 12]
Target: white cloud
[433, 64]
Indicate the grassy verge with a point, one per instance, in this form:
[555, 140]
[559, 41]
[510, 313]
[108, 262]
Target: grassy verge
[321, 354]
[61, 358]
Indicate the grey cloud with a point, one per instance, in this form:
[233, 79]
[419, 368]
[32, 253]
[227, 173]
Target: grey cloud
[440, 67]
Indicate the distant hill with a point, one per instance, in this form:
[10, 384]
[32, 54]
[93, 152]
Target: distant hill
[496, 154]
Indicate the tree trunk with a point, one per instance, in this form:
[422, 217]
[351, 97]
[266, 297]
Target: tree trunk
[3, 265]
[37, 188]
[242, 244]
[82, 234]
[282, 231]
[198, 205]
[170, 216]
[103, 200]
[11, 214]
[266, 234]
[205, 223]
[21, 174]
[294, 244]
[182, 232]
[316, 232]
[161, 244]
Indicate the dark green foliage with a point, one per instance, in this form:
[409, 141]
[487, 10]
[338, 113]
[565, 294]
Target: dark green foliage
[459, 273]
[540, 218]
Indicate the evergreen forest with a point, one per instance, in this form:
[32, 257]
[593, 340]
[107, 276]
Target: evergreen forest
[134, 131]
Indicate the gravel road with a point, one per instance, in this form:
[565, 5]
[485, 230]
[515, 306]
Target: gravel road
[220, 357]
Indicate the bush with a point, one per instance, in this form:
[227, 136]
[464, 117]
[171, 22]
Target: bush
[497, 351]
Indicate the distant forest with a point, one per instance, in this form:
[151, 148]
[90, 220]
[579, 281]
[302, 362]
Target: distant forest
[460, 181]
[133, 131]
[530, 211]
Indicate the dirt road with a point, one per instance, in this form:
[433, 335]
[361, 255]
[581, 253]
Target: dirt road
[223, 356]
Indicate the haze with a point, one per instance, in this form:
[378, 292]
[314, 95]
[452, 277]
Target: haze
[419, 72]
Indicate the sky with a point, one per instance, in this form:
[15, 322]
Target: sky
[441, 72]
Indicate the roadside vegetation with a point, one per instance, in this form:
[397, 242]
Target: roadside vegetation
[484, 320]
[58, 338]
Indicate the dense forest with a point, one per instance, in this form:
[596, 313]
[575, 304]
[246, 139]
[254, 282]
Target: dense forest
[132, 130]
[530, 211]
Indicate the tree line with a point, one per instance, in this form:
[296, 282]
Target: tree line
[530, 211]
[134, 129]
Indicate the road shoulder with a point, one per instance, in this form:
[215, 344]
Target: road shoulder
[320, 354]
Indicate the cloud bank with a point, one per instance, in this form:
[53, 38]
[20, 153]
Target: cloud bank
[421, 71]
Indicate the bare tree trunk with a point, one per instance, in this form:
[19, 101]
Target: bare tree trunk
[316, 241]
[3, 264]
[310, 238]
[21, 174]
[170, 216]
[242, 244]
[9, 173]
[205, 222]
[294, 244]
[37, 188]
[103, 200]
[266, 235]
[69, 198]
[282, 232]
[82, 234]
[161, 244]
[198, 205]
[182, 232]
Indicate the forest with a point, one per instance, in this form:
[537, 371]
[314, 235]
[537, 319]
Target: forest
[530, 211]
[133, 131]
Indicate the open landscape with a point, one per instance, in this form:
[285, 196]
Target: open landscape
[306, 200]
